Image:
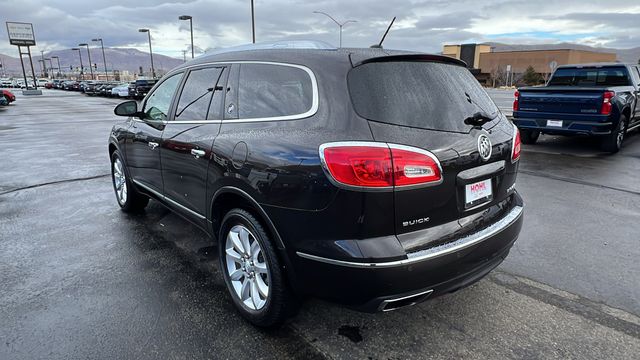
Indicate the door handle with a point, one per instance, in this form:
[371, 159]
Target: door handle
[153, 145]
[197, 153]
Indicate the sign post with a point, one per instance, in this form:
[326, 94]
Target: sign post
[21, 34]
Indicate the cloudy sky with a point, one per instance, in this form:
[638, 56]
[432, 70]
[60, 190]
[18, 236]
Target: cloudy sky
[421, 24]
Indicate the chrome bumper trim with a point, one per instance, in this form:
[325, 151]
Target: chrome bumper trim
[434, 252]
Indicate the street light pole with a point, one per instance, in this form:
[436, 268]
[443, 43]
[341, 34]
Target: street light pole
[81, 66]
[340, 25]
[190, 18]
[104, 59]
[58, 60]
[90, 62]
[153, 70]
[51, 67]
[253, 23]
[44, 65]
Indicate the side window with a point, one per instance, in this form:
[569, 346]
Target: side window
[199, 88]
[638, 73]
[267, 90]
[158, 104]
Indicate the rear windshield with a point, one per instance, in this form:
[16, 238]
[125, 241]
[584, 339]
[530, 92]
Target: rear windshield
[610, 76]
[425, 95]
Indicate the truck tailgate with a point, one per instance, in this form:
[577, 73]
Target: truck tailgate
[561, 100]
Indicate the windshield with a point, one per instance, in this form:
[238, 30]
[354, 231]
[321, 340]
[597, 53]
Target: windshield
[426, 95]
[609, 76]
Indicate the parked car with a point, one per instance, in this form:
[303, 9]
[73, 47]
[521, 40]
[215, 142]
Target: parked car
[8, 96]
[140, 88]
[592, 99]
[368, 177]
[42, 82]
[93, 88]
[121, 90]
[6, 83]
[3, 101]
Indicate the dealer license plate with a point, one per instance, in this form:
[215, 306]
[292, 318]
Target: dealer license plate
[478, 193]
[554, 123]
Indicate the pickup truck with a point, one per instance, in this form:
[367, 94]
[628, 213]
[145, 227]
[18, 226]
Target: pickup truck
[589, 99]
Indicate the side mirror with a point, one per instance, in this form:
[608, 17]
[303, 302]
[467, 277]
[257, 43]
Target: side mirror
[127, 108]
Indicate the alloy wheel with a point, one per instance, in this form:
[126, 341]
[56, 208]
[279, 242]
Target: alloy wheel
[247, 267]
[120, 181]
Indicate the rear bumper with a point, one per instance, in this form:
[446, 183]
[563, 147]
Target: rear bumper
[380, 286]
[568, 126]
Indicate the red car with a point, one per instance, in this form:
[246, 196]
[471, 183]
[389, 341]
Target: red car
[9, 96]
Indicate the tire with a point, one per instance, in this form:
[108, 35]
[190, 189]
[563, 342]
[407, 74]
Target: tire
[612, 143]
[129, 199]
[529, 137]
[252, 270]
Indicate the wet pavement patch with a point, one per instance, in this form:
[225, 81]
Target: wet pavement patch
[350, 332]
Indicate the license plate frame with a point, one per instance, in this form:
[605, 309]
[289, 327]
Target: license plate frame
[554, 123]
[478, 193]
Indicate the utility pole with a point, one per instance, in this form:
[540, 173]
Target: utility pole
[81, 66]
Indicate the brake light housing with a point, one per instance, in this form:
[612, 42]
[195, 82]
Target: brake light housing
[607, 105]
[517, 145]
[374, 165]
[516, 101]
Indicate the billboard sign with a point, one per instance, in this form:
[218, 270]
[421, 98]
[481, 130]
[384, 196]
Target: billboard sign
[21, 34]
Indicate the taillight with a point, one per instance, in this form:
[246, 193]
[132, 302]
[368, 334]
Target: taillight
[368, 166]
[607, 106]
[516, 101]
[413, 166]
[379, 165]
[515, 150]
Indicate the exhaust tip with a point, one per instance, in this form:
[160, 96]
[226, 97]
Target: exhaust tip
[404, 301]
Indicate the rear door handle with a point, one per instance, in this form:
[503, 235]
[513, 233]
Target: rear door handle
[197, 153]
[153, 145]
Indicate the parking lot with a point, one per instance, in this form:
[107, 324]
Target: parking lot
[81, 279]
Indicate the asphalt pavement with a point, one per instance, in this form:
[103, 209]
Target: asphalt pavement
[82, 280]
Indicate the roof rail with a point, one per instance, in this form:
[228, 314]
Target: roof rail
[293, 44]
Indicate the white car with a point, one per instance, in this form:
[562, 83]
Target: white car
[6, 83]
[42, 82]
[121, 90]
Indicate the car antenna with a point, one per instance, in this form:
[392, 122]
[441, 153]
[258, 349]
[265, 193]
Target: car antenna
[379, 45]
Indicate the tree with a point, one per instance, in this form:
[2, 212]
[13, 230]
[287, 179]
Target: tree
[531, 77]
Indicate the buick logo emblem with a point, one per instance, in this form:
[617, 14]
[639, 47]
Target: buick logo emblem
[484, 147]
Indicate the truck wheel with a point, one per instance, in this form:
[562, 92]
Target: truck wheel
[252, 270]
[613, 142]
[529, 136]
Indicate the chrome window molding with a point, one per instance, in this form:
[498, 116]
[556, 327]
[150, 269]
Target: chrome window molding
[325, 167]
[314, 89]
[432, 253]
[166, 198]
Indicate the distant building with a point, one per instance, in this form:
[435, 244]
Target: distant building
[487, 64]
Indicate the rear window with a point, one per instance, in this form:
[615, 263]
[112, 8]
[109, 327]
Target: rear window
[267, 90]
[609, 76]
[425, 95]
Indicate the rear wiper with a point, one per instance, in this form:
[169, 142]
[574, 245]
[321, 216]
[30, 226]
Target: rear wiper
[481, 117]
[478, 119]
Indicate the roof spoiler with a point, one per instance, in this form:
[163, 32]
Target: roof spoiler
[414, 57]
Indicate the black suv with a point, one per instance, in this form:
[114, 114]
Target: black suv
[368, 177]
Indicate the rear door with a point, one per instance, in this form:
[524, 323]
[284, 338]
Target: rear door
[424, 104]
[188, 137]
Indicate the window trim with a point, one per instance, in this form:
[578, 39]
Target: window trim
[314, 86]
